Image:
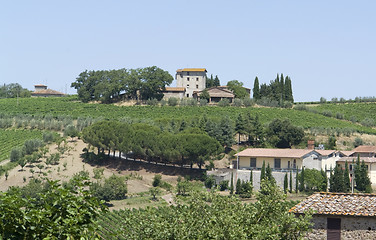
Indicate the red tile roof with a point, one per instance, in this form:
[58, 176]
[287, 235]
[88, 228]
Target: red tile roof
[47, 92]
[350, 159]
[191, 70]
[174, 89]
[326, 152]
[365, 149]
[271, 152]
[345, 204]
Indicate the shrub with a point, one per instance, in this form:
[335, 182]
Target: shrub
[224, 102]
[238, 102]
[357, 142]
[209, 182]
[172, 101]
[203, 102]
[223, 185]
[16, 154]
[114, 188]
[48, 137]
[339, 115]
[248, 102]
[157, 180]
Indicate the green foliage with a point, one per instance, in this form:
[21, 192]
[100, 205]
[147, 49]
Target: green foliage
[154, 191]
[285, 184]
[183, 187]
[283, 134]
[172, 101]
[14, 90]
[70, 131]
[224, 102]
[363, 182]
[256, 89]
[357, 142]
[209, 181]
[337, 183]
[331, 144]
[223, 185]
[314, 180]
[205, 95]
[114, 188]
[302, 181]
[157, 180]
[237, 88]
[212, 217]
[54, 213]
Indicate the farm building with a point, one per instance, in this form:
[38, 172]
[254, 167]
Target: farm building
[42, 91]
[216, 94]
[340, 215]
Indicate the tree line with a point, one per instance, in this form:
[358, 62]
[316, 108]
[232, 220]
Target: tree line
[279, 90]
[14, 90]
[150, 143]
[109, 85]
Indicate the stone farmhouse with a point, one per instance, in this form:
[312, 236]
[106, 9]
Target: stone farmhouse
[190, 82]
[340, 215]
[42, 91]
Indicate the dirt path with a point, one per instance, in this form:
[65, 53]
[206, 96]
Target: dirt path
[169, 199]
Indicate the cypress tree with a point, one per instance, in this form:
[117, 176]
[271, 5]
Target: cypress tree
[366, 182]
[232, 184]
[290, 181]
[262, 176]
[288, 90]
[251, 178]
[302, 184]
[216, 82]
[324, 185]
[269, 174]
[238, 187]
[346, 178]
[282, 89]
[297, 180]
[240, 126]
[337, 183]
[285, 184]
[256, 89]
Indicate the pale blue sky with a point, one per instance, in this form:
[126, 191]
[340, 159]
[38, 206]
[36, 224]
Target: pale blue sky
[326, 47]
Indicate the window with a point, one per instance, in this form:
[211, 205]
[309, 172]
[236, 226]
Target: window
[187, 85]
[288, 164]
[187, 94]
[188, 73]
[277, 163]
[334, 228]
[196, 86]
[187, 78]
[253, 163]
[197, 79]
[294, 164]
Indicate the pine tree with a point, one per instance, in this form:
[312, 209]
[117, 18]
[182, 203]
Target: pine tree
[240, 126]
[232, 184]
[256, 89]
[297, 180]
[290, 181]
[302, 183]
[285, 184]
[346, 178]
[262, 176]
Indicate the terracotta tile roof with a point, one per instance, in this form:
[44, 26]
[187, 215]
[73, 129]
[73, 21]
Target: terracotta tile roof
[365, 149]
[326, 152]
[345, 204]
[350, 159]
[47, 92]
[174, 89]
[191, 70]
[40, 85]
[271, 152]
[347, 153]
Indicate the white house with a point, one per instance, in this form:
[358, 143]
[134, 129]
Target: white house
[192, 79]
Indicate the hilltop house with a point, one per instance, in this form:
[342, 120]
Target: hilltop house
[278, 159]
[340, 215]
[42, 91]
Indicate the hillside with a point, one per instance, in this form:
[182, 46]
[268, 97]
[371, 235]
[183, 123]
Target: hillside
[58, 107]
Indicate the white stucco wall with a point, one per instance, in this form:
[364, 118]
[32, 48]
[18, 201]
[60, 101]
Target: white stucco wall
[196, 82]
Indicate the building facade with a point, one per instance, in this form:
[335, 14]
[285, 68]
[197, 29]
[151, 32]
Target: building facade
[192, 79]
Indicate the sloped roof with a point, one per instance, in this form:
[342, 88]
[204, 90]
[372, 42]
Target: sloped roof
[326, 152]
[191, 70]
[350, 159]
[365, 149]
[345, 204]
[271, 152]
[40, 85]
[347, 153]
[174, 89]
[217, 92]
[47, 92]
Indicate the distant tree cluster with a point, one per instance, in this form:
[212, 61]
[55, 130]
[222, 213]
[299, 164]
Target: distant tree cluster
[13, 90]
[340, 178]
[108, 85]
[237, 88]
[150, 143]
[279, 90]
[212, 82]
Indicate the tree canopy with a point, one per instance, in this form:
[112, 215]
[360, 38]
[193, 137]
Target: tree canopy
[237, 88]
[283, 134]
[108, 85]
[279, 90]
[13, 90]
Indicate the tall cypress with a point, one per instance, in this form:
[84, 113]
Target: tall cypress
[285, 184]
[269, 174]
[346, 178]
[256, 89]
[232, 184]
[337, 183]
[262, 176]
[288, 90]
[297, 180]
[251, 178]
[302, 183]
[282, 89]
[290, 181]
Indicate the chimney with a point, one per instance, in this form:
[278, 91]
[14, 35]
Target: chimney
[311, 144]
